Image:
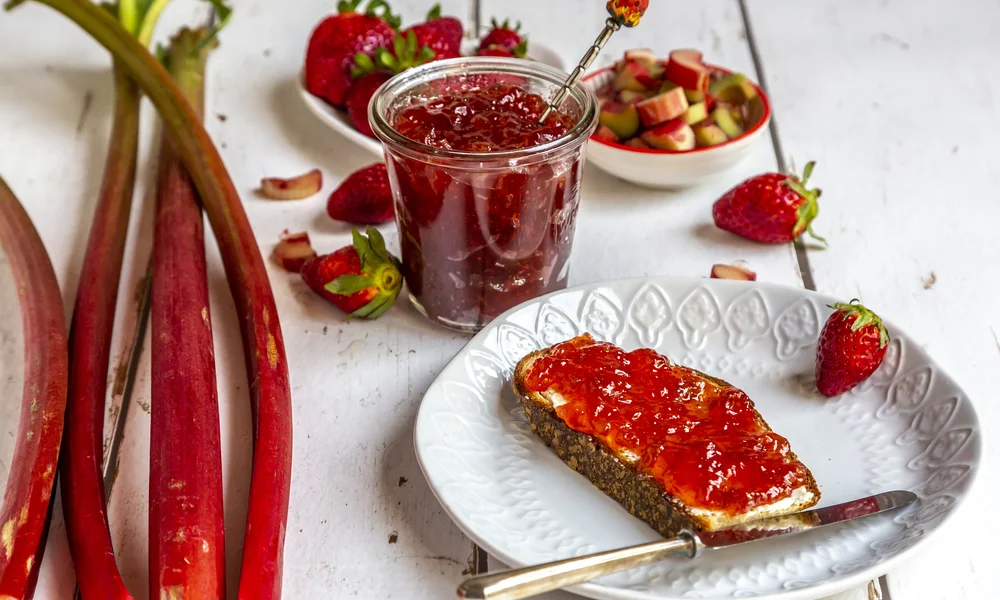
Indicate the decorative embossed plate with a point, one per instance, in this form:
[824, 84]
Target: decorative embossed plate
[909, 426]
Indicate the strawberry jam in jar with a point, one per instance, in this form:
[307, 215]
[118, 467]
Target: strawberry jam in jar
[486, 198]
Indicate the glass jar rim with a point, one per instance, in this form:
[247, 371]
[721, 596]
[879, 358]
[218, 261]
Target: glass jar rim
[407, 80]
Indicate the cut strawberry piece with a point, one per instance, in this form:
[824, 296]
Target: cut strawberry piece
[362, 280]
[686, 70]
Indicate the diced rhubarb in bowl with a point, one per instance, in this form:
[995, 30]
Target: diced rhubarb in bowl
[674, 122]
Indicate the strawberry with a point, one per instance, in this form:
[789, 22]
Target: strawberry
[360, 95]
[363, 198]
[336, 41]
[362, 280]
[771, 208]
[503, 36]
[443, 35]
[505, 52]
[850, 348]
[370, 73]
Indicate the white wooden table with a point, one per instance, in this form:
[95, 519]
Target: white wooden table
[896, 99]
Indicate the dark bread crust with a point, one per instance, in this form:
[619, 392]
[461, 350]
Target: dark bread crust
[643, 496]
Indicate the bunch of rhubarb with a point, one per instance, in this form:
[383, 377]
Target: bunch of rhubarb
[678, 104]
[267, 370]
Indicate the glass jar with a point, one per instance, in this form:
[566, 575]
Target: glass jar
[481, 232]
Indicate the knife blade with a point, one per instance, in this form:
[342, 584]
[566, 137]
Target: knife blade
[530, 581]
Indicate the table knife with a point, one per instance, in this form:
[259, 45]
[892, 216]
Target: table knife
[531, 581]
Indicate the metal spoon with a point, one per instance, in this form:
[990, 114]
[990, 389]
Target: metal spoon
[623, 12]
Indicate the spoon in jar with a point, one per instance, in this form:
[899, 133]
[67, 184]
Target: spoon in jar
[623, 12]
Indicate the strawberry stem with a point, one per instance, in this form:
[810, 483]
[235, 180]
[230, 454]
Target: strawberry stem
[809, 210]
[863, 318]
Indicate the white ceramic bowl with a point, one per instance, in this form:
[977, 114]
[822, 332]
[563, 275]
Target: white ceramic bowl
[664, 168]
[339, 121]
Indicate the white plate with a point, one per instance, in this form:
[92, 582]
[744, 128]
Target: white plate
[909, 427]
[339, 121]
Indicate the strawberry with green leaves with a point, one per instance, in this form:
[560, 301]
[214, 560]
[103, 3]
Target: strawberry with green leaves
[338, 39]
[771, 208]
[363, 280]
[443, 35]
[851, 347]
[370, 72]
[503, 37]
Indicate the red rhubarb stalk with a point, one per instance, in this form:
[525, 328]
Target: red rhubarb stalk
[84, 503]
[25, 511]
[270, 397]
[186, 534]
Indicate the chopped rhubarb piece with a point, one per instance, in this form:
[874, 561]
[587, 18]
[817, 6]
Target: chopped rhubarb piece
[662, 107]
[643, 56]
[754, 111]
[633, 76]
[605, 133]
[673, 135]
[294, 250]
[622, 119]
[694, 96]
[734, 88]
[631, 96]
[686, 70]
[294, 188]
[638, 143]
[724, 119]
[737, 271]
[709, 135]
[696, 113]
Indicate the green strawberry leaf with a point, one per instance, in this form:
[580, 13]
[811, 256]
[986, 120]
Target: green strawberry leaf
[348, 285]
[863, 318]
[521, 50]
[380, 304]
[373, 10]
[377, 244]
[434, 12]
[347, 6]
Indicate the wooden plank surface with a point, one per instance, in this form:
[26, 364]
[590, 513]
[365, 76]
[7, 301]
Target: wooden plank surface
[363, 521]
[898, 103]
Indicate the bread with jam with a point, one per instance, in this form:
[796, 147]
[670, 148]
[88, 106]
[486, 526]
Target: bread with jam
[675, 447]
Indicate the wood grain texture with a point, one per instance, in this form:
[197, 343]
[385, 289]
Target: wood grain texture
[908, 171]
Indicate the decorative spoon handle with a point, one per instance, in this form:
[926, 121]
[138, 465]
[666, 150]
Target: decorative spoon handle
[623, 12]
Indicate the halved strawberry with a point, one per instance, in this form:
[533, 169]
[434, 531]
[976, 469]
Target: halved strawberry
[363, 280]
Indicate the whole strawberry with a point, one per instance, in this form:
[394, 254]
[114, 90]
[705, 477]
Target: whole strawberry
[850, 348]
[370, 72]
[443, 35]
[362, 280]
[363, 198]
[360, 95]
[338, 39]
[504, 36]
[771, 208]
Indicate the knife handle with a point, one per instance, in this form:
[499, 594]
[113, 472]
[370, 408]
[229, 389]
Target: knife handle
[530, 581]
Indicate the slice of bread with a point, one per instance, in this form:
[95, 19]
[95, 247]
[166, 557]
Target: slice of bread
[618, 474]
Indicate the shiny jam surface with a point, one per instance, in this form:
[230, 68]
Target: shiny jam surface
[704, 442]
[478, 241]
[489, 119]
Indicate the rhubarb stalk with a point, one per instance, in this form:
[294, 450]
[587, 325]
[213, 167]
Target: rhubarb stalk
[24, 515]
[186, 533]
[260, 575]
[84, 503]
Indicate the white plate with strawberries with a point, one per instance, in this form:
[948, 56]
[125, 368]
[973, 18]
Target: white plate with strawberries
[907, 426]
[337, 85]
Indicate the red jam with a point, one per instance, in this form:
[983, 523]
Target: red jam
[479, 239]
[704, 442]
